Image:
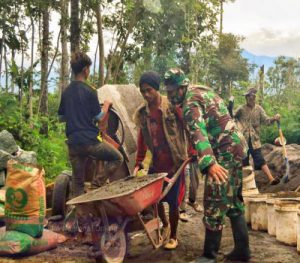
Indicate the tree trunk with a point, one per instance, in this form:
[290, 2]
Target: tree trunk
[44, 67]
[221, 17]
[6, 68]
[94, 66]
[21, 87]
[55, 54]
[12, 77]
[261, 84]
[64, 73]
[31, 70]
[101, 45]
[119, 60]
[1, 52]
[75, 30]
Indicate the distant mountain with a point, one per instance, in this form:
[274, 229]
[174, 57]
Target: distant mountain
[259, 60]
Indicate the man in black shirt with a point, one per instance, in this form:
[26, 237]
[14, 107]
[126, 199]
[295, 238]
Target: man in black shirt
[80, 109]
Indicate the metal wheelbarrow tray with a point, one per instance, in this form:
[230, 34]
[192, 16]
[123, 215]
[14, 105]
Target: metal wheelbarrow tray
[129, 197]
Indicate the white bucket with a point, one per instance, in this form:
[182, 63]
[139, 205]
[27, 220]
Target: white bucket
[286, 220]
[247, 194]
[248, 178]
[298, 232]
[271, 217]
[258, 213]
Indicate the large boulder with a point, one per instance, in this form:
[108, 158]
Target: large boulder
[7, 142]
[126, 99]
[275, 160]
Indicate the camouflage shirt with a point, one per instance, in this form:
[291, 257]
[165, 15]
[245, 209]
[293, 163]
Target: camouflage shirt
[249, 122]
[210, 126]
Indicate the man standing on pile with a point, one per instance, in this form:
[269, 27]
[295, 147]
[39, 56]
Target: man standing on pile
[250, 117]
[161, 131]
[220, 150]
[80, 109]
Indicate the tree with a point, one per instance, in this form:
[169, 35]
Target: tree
[221, 14]
[64, 68]
[171, 34]
[43, 105]
[228, 65]
[100, 43]
[75, 29]
[283, 80]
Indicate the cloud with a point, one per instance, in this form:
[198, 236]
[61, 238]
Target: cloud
[273, 43]
[271, 27]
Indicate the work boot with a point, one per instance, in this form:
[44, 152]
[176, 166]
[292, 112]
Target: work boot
[211, 246]
[241, 251]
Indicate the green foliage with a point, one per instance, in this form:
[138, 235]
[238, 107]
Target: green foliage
[228, 65]
[183, 25]
[51, 150]
[281, 95]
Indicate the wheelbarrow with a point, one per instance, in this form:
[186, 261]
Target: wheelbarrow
[114, 212]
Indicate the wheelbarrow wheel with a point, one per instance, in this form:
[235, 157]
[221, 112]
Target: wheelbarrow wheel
[60, 194]
[113, 252]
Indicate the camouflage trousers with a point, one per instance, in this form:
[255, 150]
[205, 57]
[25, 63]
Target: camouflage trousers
[225, 199]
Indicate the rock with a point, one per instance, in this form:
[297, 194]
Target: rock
[275, 160]
[126, 99]
[2, 177]
[27, 157]
[4, 157]
[7, 142]
[22, 156]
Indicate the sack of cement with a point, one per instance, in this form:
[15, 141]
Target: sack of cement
[7, 142]
[25, 203]
[17, 243]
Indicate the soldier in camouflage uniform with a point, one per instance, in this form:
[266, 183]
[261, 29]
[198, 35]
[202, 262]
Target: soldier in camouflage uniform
[221, 149]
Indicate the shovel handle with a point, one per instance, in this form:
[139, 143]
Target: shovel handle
[281, 139]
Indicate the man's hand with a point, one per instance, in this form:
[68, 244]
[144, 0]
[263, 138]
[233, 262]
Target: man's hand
[137, 167]
[276, 117]
[135, 171]
[217, 173]
[106, 105]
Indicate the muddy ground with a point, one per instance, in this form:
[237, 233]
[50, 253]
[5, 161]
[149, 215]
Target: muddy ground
[191, 237]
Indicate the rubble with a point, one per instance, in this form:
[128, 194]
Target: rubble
[275, 160]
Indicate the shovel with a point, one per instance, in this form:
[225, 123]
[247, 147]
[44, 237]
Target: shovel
[285, 178]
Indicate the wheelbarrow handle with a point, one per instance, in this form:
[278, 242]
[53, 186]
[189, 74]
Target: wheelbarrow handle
[172, 181]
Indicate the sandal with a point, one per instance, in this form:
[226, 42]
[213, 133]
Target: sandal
[172, 244]
[197, 207]
[183, 216]
[275, 181]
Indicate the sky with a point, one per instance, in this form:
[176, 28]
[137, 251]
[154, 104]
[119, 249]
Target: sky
[270, 27]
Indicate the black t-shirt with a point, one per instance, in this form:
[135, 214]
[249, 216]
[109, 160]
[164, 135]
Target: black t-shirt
[79, 106]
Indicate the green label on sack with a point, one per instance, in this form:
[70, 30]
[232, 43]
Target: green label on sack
[22, 167]
[16, 198]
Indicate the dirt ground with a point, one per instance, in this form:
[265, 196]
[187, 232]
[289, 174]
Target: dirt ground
[191, 237]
